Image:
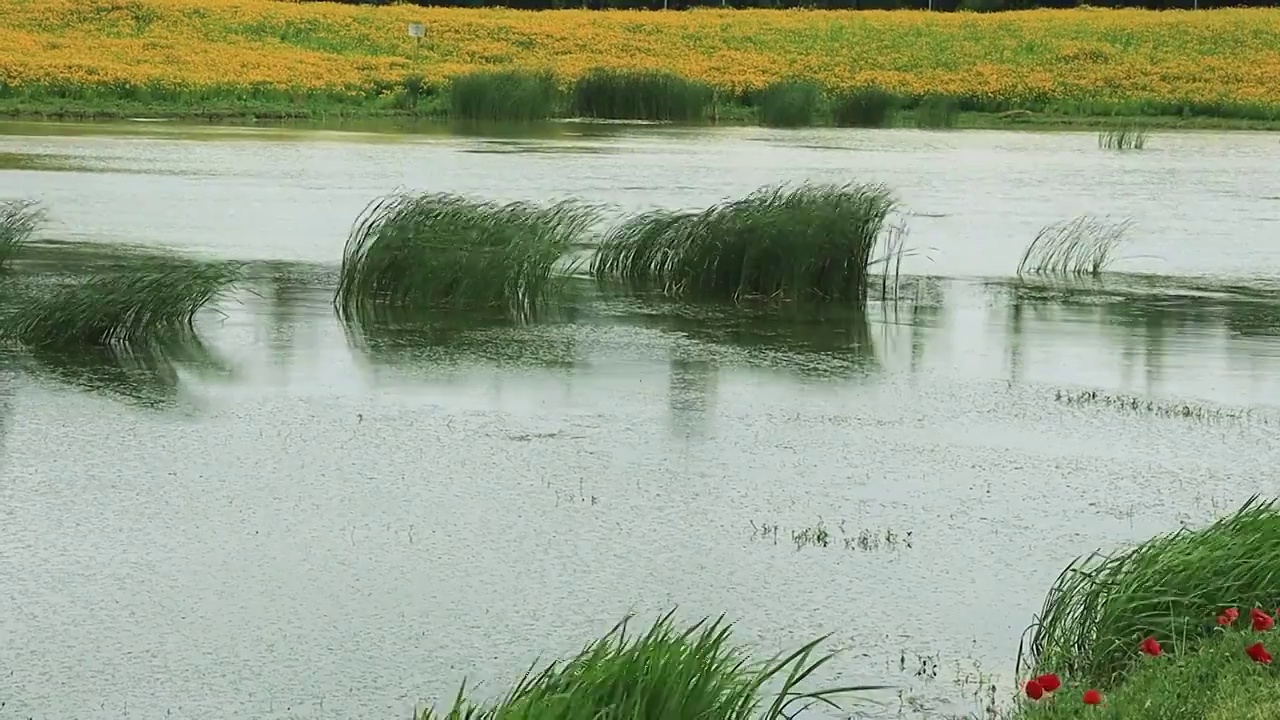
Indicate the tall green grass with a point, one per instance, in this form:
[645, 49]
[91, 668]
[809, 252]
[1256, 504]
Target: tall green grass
[937, 112]
[1171, 587]
[811, 241]
[152, 303]
[667, 673]
[640, 95]
[18, 220]
[1081, 246]
[1125, 137]
[789, 103]
[870, 107]
[440, 250]
[508, 95]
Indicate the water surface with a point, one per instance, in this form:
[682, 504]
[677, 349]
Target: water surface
[301, 519]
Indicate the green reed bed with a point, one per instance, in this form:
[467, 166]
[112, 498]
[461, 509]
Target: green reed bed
[18, 220]
[869, 107]
[510, 95]
[667, 672]
[789, 103]
[411, 251]
[151, 303]
[1126, 137]
[1081, 246]
[937, 112]
[811, 241]
[640, 95]
[1171, 587]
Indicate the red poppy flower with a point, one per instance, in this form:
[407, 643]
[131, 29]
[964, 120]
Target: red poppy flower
[1092, 697]
[1224, 620]
[1258, 653]
[1034, 690]
[1151, 646]
[1261, 620]
[1049, 682]
[1231, 614]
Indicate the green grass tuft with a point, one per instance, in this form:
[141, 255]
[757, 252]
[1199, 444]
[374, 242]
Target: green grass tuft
[789, 103]
[1081, 246]
[1213, 681]
[663, 674]
[1172, 587]
[150, 304]
[871, 107]
[937, 111]
[640, 95]
[440, 250]
[812, 241]
[18, 220]
[503, 96]
[1125, 137]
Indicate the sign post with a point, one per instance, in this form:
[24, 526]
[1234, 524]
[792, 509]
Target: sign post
[417, 31]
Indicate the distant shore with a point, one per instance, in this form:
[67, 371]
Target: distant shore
[729, 115]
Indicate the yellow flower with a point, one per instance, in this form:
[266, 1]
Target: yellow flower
[238, 46]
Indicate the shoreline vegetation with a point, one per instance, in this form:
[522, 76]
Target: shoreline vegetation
[268, 60]
[1175, 627]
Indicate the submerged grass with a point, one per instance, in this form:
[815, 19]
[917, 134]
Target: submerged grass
[146, 375]
[640, 95]
[152, 303]
[511, 95]
[440, 250]
[18, 220]
[1126, 137]
[665, 673]
[789, 103]
[812, 241]
[1081, 246]
[1170, 587]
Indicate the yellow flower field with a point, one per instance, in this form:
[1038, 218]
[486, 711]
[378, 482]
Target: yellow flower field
[1083, 55]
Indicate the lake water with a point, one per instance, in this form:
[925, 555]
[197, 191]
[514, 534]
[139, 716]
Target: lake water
[329, 525]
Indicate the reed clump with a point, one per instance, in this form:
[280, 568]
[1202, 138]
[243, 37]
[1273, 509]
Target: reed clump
[1125, 137]
[152, 303]
[811, 241]
[640, 95]
[18, 220]
[1170, 587]
[789, 103]
[937, 112]
[410, 251]
[667, 672]
[503, 96]
[870, 107]
[1081, 246]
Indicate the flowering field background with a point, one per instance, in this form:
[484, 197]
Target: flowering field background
[1210, 58]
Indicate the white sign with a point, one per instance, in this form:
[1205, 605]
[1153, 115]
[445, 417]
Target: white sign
[417, 30]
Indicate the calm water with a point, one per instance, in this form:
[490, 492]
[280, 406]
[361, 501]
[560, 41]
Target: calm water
[302, 521]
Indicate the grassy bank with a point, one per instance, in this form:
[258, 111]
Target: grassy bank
[174, 58]
[1165, 629]
[1215, 681]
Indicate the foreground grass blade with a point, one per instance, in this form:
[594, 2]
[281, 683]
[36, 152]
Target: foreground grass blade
[664, 673]
[811, 241]
[440, 250]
